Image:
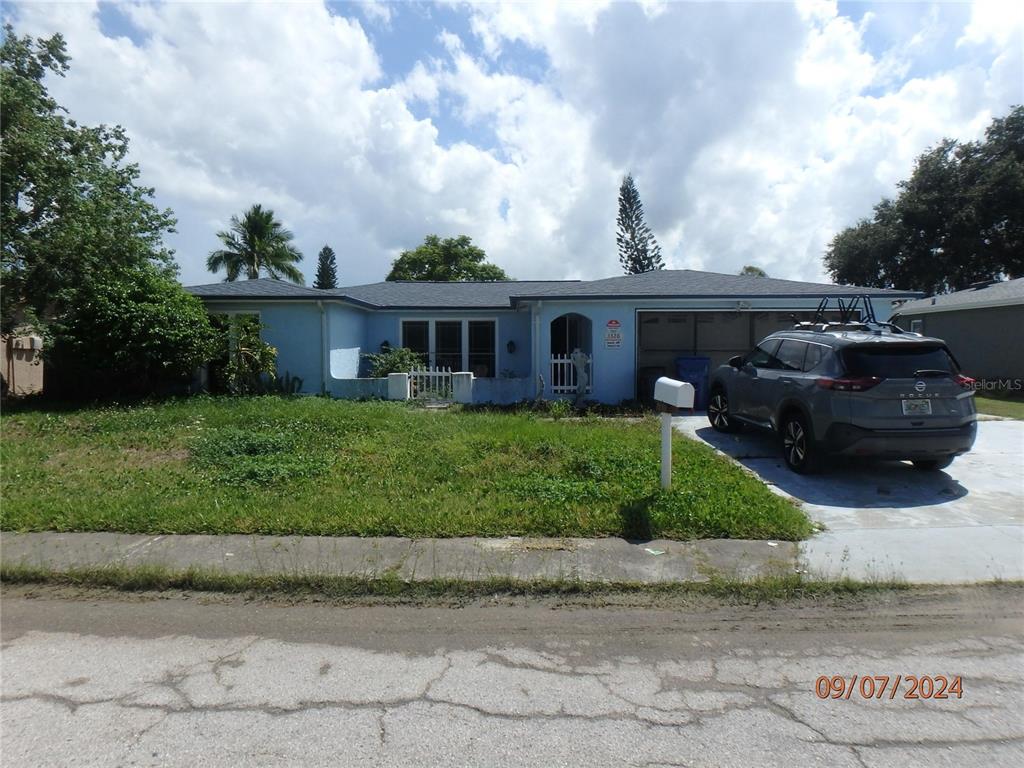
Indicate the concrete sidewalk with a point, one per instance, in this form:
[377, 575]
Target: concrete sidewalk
[472, 559]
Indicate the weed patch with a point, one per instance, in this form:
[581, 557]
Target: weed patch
[313, 466]
[236, 456]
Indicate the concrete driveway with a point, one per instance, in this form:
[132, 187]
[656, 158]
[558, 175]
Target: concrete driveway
[888, 520]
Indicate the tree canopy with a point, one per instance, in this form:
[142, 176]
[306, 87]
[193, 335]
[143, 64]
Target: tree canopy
[326, 269]
[638, 250]
[129, 332]
[753, 271]
[83, 257]
[71, 208]
[958, 219]
[256, 243]
[453, 259]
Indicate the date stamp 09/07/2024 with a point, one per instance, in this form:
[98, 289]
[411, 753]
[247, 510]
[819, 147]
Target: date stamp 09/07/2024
[889, 687]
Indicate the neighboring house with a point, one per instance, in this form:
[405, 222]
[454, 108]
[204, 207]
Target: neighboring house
[516, 337]
[22, 363]
[982, 326]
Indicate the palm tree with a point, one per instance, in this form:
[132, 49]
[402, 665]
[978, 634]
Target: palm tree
[256, 242]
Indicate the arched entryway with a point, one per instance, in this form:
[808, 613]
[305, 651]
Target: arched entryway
[570, 333]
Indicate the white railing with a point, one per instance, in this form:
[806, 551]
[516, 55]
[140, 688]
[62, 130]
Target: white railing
[563, 376]
[431, 384]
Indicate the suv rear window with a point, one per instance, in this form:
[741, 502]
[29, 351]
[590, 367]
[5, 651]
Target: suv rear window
[894, 362]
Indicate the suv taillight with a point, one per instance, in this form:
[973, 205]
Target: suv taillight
[964, 381]
[848, 385]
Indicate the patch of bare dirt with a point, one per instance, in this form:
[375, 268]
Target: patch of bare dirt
[134, 458]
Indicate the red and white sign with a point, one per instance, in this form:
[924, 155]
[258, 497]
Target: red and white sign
[613, 334]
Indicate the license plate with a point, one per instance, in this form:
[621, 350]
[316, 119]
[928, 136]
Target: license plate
[917, 407]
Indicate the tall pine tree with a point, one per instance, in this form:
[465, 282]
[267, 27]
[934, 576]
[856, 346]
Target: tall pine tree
[638, 250]
[326, 269]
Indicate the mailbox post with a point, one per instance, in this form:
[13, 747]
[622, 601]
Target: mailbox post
[670, 394]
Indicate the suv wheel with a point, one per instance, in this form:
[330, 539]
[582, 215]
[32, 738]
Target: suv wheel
[718, 412]
[799, 448]
[932, 465]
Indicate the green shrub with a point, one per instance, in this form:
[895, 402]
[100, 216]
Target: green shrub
[559, 409]
[247, 365]
[395, 360]
[135, 331]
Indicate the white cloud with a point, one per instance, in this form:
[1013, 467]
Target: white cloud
[998, 22]
[755, 131]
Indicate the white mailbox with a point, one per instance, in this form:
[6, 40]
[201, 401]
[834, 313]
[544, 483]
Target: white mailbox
[676, 394]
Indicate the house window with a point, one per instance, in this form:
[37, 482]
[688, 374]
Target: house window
[460, 345]
[448, 344]
[416, 336]
[481, 348]
[917, 326]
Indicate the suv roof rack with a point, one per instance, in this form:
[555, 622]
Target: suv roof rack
[856, 313]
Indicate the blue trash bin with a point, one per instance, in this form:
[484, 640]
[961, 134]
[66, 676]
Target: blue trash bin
[694, 369]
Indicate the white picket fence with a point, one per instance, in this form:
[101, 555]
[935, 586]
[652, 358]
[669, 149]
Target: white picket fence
[431, 384]
[563, 376]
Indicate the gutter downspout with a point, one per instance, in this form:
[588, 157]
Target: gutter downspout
[323, 347]
[535, 309]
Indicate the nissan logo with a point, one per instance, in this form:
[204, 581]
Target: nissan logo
[920, 386]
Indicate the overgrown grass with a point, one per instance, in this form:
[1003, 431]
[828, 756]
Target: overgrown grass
[1000, 406]
[770, 588]
[314, 466]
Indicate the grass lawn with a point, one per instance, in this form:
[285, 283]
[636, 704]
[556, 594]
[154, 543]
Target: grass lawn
[1013, 409]
[315, 466]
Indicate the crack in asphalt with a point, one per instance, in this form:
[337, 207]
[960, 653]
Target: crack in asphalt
[759, 697]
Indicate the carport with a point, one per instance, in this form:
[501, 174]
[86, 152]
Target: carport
[664, 335]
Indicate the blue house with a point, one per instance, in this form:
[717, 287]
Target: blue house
[516, 337]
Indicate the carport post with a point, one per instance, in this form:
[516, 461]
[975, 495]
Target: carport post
[666, 448]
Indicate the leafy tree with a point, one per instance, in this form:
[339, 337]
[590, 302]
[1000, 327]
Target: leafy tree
[130, 333]
[751, 271]
[326, 269]
[453, 259]
[256, 243]
[638, 250]
[957, 220]
[71, 208]
[83, 254]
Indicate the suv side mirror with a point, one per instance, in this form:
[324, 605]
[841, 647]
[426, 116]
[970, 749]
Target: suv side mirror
[736, 361]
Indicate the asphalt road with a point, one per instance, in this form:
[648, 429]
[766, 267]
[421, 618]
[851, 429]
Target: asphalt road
[99, 679]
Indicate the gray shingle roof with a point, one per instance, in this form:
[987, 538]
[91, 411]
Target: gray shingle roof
[686, 283]
[998, 294]
[682, 283]
[264, 288]
[425, 295]
[397, 295]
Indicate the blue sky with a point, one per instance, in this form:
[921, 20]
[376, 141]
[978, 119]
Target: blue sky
[755, 131]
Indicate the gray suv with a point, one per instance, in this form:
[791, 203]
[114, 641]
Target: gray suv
[862, 391]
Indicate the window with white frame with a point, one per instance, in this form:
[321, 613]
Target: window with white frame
[460, 345]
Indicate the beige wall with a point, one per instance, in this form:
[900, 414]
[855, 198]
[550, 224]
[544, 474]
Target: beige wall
[988, 342]
[22, 366]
